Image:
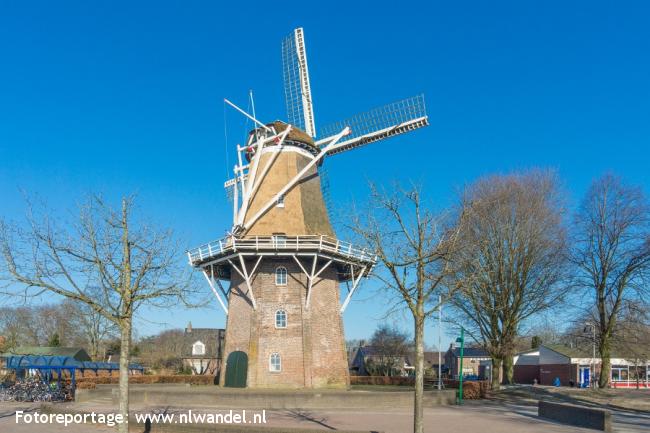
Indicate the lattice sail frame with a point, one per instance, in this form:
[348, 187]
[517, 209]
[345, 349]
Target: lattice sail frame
[379, 123]
[297, 88]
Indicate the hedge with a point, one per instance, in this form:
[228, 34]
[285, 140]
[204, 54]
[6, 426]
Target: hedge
[472, 390]
[147, 379]
[382, 380]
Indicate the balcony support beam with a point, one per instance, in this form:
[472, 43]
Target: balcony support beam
[211, 281]
[355, 284]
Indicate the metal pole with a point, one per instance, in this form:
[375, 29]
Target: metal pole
[439, 342]
[248, 115]
[593, 356]
[460, 376]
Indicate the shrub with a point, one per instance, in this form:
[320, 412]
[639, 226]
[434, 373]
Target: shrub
[381, 380]
[472, 390]
[86, 385]
[149, 379]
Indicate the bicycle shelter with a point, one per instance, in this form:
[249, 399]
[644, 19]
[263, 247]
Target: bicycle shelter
[47, 365]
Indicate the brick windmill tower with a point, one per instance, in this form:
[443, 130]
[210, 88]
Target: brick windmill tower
[277, 275]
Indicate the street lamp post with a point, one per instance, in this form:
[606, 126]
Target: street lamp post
[593, 355]
[461, 340]
[439, 342]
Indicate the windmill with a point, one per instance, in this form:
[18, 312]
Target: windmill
[281, 258]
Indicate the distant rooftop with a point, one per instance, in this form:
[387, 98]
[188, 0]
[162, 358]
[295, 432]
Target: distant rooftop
[471, 352]
[73, 352]
[570, 352]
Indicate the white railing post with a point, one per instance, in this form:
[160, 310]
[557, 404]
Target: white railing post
[220, 246]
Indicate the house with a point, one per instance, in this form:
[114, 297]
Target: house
[203, 349]
[73, 352]
[570, 365]
[526, 367]
[476, 361]
[430, 362]
[371, 361]
[573, 367]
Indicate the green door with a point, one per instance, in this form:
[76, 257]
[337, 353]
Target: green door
[236, 370]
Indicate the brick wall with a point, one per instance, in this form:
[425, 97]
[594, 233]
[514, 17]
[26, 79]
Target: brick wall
[312, 345]
[566, 373]
[526, 374]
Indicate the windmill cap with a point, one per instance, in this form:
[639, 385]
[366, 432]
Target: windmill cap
[296, 134]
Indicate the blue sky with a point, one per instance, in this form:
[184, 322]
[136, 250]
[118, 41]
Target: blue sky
[123, 97]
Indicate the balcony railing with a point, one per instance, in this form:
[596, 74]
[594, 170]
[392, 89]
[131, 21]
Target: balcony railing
[279, 244]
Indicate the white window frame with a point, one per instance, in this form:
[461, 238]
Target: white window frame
[272, 366]
[198, 343]
[281, 272]
[279, 240]
[283, 314]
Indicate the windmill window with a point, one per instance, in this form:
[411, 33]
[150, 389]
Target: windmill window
[280, 202]
[280, 240]
[198, 348]
[275, 363]
[281, 276]
[280, 319]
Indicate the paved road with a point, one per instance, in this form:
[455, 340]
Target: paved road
[483, 417]
[624, 421]
[8, 422]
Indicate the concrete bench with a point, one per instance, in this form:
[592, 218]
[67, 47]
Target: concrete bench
[579, 416]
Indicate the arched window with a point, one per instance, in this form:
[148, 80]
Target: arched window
[281, 276]
[275, 363]
[198, 348]
[280, 319]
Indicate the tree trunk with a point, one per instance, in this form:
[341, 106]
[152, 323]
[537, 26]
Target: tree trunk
[125, 348]
[508, 370]
[496, 373]
[94, 349]
[418, 422]
[606, 363]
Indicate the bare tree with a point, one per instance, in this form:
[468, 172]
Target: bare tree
[612, 255]
[414, 246]
[104, 260]
[10, 329]
[36, 325]
[390, 346]
[93, 327]
[512, 259]
[164, 350]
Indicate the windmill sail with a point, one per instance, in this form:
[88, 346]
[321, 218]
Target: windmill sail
[378, 124]
[297, 90]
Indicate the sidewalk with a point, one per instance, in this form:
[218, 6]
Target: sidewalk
[477, 417]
